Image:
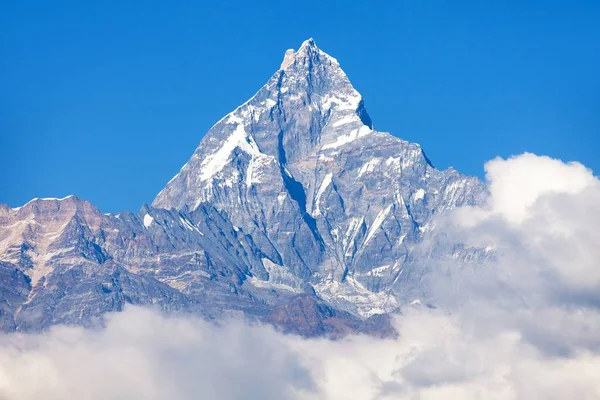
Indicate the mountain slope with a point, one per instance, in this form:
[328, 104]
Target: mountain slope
[300, 168]
[292, 210]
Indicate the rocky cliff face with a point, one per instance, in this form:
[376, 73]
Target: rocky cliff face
[292, 210]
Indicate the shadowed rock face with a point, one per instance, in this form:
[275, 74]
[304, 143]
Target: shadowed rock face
[292, 210]
[309, 316]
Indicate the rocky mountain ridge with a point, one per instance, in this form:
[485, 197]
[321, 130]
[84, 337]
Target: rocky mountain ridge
[292, 210]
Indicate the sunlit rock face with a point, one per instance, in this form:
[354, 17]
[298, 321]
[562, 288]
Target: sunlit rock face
[292, 210]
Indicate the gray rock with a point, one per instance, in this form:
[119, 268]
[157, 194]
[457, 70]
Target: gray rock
[292, 210]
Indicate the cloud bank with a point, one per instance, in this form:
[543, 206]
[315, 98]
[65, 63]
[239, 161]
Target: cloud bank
[518, 318]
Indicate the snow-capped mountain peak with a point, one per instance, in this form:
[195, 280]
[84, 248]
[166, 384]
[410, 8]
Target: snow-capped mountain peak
[317, 78]
[307, 106]
[327, 198]
[291, 207]
[308, 51]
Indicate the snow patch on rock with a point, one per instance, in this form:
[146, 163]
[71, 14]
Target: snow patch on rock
[369, 166]
[348, 138]
[326, 182]
[148, 220]
[381, 216]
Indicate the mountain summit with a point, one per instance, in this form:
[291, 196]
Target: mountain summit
[327, 198]
[292, 210]
[307, 105]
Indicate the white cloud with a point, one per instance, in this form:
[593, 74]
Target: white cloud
[515, 184]
[520, 323]
[541, 217]
[144, 355]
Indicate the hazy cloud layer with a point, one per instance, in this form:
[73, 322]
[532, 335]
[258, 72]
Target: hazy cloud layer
[523, 324]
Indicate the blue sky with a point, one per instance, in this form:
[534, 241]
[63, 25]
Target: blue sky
[107, 100]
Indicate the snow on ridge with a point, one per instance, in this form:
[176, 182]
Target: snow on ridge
[212, 164]
[350, 236]
[348, 138]
[55, 198]
[419, 195]
[369, 166]
[326, 182]
[381, 216]
[239, 138]
[379, 271]
[348, 119]
[188, 225]
[148, 220]
[42, 199]
[257, 161]
[279, 278]
[351, 292]
[348, 102]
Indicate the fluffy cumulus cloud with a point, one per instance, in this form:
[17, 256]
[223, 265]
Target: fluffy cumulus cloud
[517, 317]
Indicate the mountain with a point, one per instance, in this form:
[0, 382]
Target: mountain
[293, 210]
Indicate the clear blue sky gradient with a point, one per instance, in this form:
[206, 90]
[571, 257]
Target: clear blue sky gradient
[107, 100]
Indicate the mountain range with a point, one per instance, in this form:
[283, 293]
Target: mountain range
[293, 210]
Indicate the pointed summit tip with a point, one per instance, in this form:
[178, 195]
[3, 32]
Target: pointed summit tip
[290, 54]
[310, 42]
